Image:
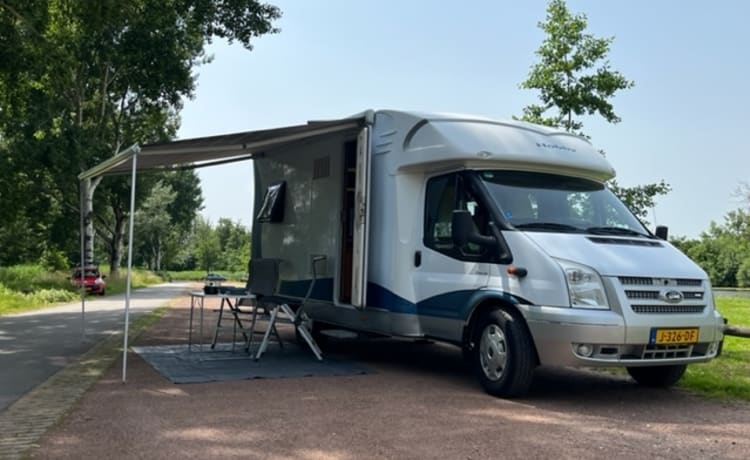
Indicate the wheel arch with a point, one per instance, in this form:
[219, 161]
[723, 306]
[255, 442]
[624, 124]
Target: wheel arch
[487, 303]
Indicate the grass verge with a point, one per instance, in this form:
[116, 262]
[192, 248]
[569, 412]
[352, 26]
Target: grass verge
[727, 377]
[32, 287]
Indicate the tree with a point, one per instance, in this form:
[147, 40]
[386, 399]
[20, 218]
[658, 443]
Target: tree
[723, 251]
[80, 80]
[154, 224]
[207, 245]
[234, 240]
[574, 78]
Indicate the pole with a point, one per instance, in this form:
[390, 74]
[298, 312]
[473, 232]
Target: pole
[81, 205]
[130, 269]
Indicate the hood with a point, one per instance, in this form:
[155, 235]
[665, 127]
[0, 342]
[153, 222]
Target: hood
[620, 256]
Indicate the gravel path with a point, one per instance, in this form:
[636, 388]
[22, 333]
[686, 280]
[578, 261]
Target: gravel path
[419, 402]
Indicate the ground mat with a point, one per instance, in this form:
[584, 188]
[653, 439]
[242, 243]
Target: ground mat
[179, 365]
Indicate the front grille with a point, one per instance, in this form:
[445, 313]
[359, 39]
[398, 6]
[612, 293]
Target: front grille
[655, 309]
[651, 295]
[689, 282]
[667, 351]
[636, 281]
[642, 294]
[644, 281]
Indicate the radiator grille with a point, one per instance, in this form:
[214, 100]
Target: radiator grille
[642, 294]
[651, 295]
[644, 281]
[655, 309]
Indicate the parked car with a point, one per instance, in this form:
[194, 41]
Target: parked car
[93, 280]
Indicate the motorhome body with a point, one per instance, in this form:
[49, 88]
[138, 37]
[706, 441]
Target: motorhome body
[499, 237]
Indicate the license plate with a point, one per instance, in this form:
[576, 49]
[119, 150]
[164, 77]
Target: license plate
[674, 336]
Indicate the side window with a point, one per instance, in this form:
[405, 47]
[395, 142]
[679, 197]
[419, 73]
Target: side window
[444, 195]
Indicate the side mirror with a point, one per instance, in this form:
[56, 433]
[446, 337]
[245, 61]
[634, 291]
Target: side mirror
[462, 227]
[463, 230]
[662, 232]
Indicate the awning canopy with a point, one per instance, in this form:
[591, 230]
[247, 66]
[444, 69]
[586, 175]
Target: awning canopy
[213, 150]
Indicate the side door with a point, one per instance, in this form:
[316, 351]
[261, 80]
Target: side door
[448, 275]
[361, 220]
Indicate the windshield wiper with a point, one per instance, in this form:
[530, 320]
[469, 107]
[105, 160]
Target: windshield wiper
[615, 231]
[550, 227]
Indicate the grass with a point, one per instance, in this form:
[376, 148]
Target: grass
[198, 275]
[25, 287]
[31, 287]
[727, 377]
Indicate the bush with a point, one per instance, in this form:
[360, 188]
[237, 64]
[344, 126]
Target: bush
[54, 260]
[743, 274]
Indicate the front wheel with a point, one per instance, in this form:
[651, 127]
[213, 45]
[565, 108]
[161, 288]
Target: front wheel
[503, 354]
[657, 376]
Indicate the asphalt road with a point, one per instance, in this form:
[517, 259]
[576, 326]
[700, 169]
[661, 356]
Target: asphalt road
[35, 345]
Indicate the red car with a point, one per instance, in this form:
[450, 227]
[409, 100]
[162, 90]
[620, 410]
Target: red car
[93, 280]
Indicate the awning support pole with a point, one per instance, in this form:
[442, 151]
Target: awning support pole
[82, 186]
[130, 269]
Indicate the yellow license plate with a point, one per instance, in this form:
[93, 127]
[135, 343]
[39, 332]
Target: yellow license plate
[674, 336]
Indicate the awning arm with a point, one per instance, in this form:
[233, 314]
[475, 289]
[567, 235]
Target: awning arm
[116, 160]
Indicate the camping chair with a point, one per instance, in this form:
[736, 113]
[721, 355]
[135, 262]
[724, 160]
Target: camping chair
[264, 279]
[244, 305]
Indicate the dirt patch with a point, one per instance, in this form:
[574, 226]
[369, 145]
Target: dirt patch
[419, 402]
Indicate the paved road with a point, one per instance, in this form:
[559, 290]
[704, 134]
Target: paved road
[36, 345]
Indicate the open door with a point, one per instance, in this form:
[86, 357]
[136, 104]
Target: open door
[361, 224]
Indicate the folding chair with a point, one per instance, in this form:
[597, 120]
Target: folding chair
[244, 305]
[265, 280]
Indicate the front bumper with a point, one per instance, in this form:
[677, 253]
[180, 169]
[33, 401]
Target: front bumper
[609, 341]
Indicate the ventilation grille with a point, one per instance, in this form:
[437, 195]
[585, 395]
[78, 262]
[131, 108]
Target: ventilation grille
[321, 167]
[667, 351]
[625, 241]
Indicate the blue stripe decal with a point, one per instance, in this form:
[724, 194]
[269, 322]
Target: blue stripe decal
[454, 305]
[380, 297]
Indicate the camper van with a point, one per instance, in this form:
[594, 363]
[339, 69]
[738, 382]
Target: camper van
[500, 237]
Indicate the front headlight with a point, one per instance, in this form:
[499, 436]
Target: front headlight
[585, 286]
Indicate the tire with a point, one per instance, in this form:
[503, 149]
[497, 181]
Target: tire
[657, 376]
[503, 355]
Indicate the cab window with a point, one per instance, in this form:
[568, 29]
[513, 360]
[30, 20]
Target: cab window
[444, 195]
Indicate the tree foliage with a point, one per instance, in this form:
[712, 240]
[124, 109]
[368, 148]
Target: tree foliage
[723, 251]
[567, 75]
[79, 81]
[575, 79]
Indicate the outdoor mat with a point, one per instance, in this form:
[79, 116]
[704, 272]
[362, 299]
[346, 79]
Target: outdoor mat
[179, 365]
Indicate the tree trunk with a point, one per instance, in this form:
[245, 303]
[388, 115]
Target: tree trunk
[89, 186]
[737, 331]
[118, 235]
[158, 254]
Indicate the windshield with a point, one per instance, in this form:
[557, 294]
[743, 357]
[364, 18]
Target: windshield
[549, 202]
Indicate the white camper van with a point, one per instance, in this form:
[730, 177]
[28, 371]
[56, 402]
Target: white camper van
[497, 236]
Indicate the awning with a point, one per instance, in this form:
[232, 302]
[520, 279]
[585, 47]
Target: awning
[214, 150]
[196, 153]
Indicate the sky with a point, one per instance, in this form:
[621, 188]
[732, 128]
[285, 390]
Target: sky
[682, 122]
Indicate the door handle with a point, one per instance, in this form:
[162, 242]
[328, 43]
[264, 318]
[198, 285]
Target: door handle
[418, 258]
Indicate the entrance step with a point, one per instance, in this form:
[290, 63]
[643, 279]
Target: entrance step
[339, 333]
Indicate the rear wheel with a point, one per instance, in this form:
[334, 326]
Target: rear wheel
[657, 376]
[503, 354]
